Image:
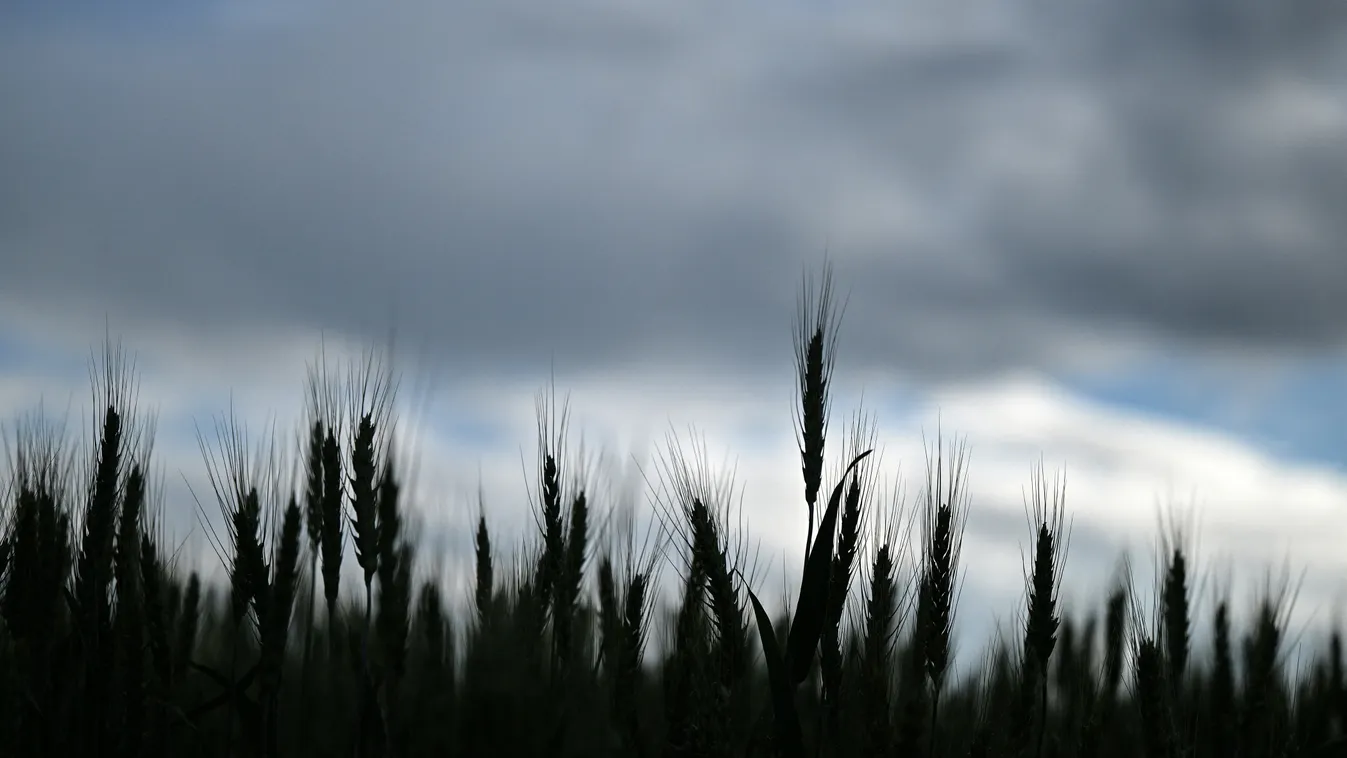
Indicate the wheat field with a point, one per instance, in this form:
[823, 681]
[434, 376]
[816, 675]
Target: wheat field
[107, 648]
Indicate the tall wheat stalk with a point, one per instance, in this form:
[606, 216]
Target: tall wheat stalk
[815, 340]
[1046, 511]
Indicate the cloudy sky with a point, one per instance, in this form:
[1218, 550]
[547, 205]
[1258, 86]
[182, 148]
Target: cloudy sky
[1107, 234]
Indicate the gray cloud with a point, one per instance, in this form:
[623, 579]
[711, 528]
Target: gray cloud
[614, 185]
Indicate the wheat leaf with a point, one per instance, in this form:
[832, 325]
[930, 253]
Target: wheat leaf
[811, 607]
[790, 741]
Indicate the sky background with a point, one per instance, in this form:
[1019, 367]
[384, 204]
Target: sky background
[1107, 235]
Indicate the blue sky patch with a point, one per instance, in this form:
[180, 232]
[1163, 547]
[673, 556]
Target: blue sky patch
[1294, 413]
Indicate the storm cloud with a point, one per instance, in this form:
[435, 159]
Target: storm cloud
[1031, 185]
